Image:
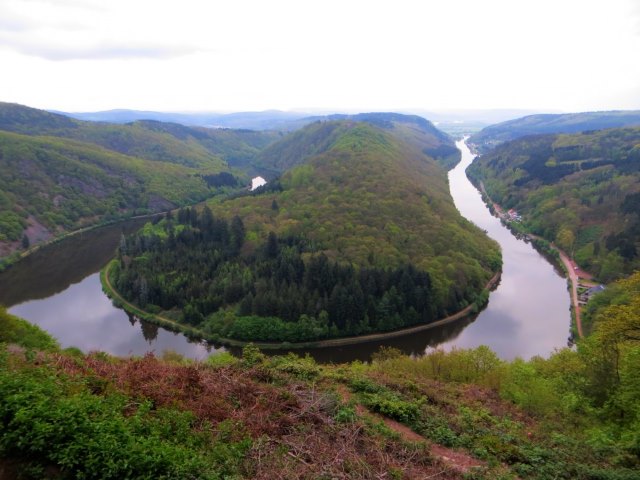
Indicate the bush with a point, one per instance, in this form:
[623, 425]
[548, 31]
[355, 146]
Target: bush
[251, 355]
[19, 331]
[346, 414]
[304, 368]
[524, 386]
[393, 407]
[221, 359]
[51, 420]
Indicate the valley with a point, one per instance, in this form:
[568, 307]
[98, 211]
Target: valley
[361, 247]
[507, 311]
[319, 240]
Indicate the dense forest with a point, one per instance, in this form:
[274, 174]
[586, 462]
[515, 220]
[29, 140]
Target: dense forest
[372, 199]
[458, 415]
[63, 173]
[204, 148]
[193, 263]
[581, 191]
[362, 238]
[60, 184]
[59, 174]
[412, 128]
[321, 135]
[494, 135]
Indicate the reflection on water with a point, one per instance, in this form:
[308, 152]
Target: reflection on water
[528, 314]
[59, 289]
[52, 269]
[414, 344]
[84, 317]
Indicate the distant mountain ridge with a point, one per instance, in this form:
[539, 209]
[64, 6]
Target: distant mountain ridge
[436, 143]
[494, 135]
[265, 120]
[284, 120]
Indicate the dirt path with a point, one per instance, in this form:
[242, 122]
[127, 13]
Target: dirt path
[572, 272]
[455, 461]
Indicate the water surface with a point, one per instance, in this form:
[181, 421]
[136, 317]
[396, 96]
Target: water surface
[58, 288]
[529, 313]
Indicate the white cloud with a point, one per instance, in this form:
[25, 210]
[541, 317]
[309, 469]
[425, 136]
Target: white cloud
[71, 30]
[106, 51]
[201, 55]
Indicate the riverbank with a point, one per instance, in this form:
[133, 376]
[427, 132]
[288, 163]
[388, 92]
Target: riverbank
[569, 267]
[195, 333]
[59, 289]
[16, 256]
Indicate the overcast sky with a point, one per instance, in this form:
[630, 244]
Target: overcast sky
[237, 55]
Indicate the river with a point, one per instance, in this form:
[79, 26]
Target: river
[529, 313]
[58, 288]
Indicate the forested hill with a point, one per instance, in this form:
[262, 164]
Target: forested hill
[321, 134]
[363, 237]
[51, 185]
[494, 135]
[581, 191]
[133, 139]
[209, 149]
[60, 173]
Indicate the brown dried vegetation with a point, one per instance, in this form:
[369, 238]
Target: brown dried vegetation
[291, 422]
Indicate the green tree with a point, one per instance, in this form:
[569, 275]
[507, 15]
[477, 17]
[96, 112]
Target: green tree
[272, 245]
[566, 239]
[237, 232]
[611, 267]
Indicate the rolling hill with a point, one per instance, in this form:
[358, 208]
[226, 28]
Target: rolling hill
[494, 135]
[321, 133]
[50, 185]
[60, 173]
[361, 237]
[581, 191]
[134, 139]
[208, 149]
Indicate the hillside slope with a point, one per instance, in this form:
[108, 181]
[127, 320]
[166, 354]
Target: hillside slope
[362, 237]
[132, 139]
[322, 132]
[581, 191]
[60, 173]
[50, 185]
[494, 135]
[208, 149]
[457, 415]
